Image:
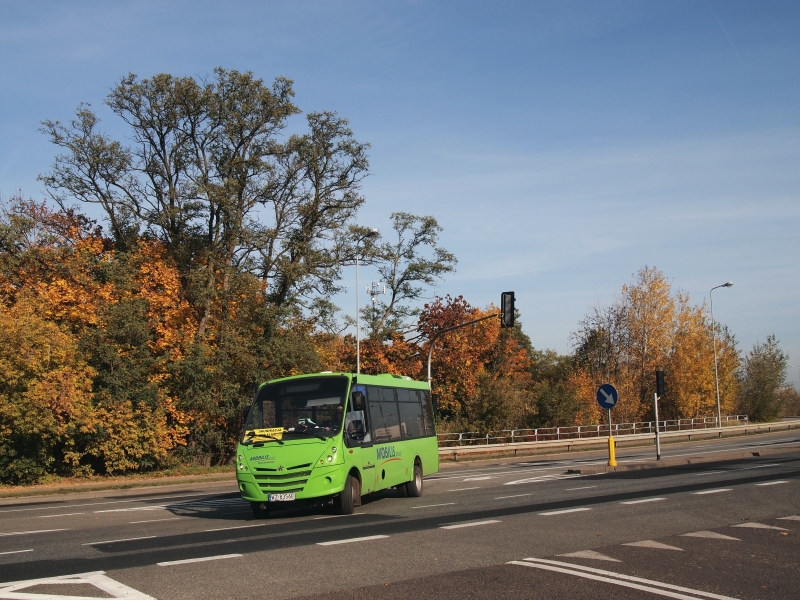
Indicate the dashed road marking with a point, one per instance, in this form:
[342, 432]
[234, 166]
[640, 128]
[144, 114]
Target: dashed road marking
[235, 527]
[643, 501]
[772, 483]
[590, 554]
[653, 544]
[791, 518]
[710, 535]
[186, 561]
[514, 496]
[16, 551]
[585, 487]
[563, 512]
[759, 526]
[464, 489]
[30, 532]
[156, 520]
[432, 505]
[351, 540]
[472, 524]
[133, 539]
[717, 491]
[60, 515]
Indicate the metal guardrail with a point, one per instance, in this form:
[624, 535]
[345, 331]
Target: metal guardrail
[454, 452]
[578, 432]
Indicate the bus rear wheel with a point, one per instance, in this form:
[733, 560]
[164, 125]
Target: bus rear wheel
[414, 487]
[260, 510]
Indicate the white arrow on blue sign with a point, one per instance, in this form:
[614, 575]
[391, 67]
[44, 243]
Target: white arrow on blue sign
[607, 396]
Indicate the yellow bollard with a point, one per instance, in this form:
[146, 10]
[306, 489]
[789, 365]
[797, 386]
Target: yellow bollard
[612, 459]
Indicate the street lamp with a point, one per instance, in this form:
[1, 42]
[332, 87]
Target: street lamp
[372, 233]
[714, 337]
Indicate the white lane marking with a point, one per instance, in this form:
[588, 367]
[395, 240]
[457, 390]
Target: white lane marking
[97, 579]
[432, 505]
[350, 540]
[145, 537]
[759, 526]
[155, 520]
[235, 527]
[643, 501]
[542, 478]
[146, 499]
[16, 551]
[337, 516]
[186, 561]
[717, 491]
[31, 532]
[62, 515]
[618, 579]
[473, 524]
[484, 478]
[708, 473]
[563, 512]
[585, 487]
[712, 535]
[464, 489]
[653, 544]
[772, 483]
[590, 554]
[757, 467]
[790, 518]
[132, 509]
[514, 496]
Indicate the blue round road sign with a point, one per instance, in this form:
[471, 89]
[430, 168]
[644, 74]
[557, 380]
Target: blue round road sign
[607, 396]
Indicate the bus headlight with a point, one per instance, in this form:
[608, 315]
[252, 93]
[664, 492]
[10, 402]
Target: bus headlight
[330, 458]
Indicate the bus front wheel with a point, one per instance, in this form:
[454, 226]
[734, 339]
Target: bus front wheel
[346, 501]
[414, 487]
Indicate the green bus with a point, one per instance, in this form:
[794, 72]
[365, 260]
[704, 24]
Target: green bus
[338, 436]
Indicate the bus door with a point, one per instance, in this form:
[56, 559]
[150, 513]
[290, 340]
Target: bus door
[358, 438]
[384, 424]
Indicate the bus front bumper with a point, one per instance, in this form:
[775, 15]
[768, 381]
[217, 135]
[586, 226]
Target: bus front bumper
[324, 482]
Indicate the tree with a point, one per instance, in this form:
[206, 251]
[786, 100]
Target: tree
[647, 329]
[762, 378]
[207, 175]
[405, 268]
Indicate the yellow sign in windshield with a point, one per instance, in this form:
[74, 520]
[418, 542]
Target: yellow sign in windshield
[272, 432]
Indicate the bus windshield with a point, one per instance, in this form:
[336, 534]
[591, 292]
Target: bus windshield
[311, 407]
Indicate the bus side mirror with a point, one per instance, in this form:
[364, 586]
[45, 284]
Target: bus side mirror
[358, 401]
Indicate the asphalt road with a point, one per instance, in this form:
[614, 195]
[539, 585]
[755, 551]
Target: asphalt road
[520, 528]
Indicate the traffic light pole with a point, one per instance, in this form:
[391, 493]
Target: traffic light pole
[445, 330]
[658, 440]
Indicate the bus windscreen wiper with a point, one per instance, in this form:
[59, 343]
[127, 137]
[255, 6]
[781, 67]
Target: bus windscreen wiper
[305, 431]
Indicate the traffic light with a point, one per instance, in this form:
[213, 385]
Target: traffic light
[507, 309]
[660, 386]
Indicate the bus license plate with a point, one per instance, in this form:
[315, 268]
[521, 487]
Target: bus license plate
[280, 497]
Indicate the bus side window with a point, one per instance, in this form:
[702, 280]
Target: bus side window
[378, 429]
[391, 418]
[411, 421]
[427, 411]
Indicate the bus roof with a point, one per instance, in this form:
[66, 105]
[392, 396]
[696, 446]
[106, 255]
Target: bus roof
[385, 379]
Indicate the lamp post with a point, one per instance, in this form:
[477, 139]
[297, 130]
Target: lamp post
[714, 337]
[370, 234]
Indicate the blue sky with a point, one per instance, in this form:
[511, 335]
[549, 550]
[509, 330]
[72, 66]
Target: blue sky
[561, 145]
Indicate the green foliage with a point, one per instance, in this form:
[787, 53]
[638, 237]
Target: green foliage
[762, 378]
